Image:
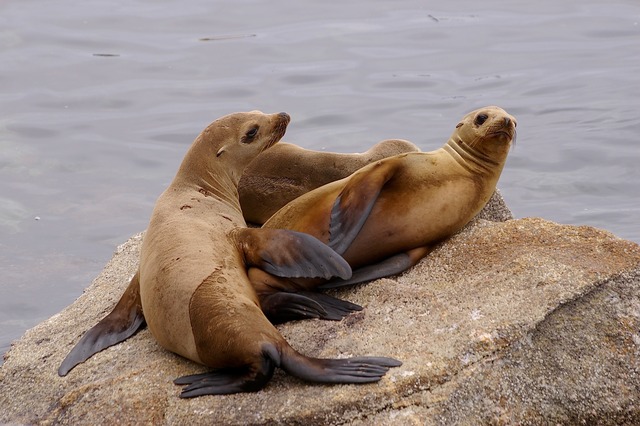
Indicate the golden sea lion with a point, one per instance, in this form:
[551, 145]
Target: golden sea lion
[388, 215]
[286, 171]
[192, 285]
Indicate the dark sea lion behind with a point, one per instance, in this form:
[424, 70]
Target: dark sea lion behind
[286, 171]
[192, 285]
[388, 215]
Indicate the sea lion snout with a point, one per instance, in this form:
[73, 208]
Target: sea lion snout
[507, 122]
[279, 128]
[285, 116]
[283, 119]
[509, 125]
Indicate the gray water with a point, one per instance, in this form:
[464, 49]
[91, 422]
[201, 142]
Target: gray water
[99, 101]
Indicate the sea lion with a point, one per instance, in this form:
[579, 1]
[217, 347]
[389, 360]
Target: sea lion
[286, 171]
[388, 215]
[192, 284]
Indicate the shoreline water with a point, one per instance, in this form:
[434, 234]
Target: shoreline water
[103, 102]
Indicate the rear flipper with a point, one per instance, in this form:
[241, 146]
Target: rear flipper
[123, 322]
[348, 370]
[228, 380]
[254, 378]
[283, 306]
[390, 266]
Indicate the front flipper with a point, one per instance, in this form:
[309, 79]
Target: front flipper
[355, 202]
[290, 254]
[283, 306]
[123, 322]
[390, 266]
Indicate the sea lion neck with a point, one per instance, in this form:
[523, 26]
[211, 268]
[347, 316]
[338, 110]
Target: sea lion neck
[221, 186]
[209, 178]
[470, 158]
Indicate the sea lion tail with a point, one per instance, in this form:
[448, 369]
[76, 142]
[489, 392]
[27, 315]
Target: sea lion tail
[347, 370]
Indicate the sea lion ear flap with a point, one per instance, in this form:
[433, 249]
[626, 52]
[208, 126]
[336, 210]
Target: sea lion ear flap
[459, 125]
[220, 151]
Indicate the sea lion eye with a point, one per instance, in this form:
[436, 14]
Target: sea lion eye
[250, 135]
[480, 119]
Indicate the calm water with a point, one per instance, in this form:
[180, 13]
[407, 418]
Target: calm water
[99, 101]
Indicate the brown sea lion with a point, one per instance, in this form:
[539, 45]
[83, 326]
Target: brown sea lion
[388, 215]
[193, 288]
[286, 171]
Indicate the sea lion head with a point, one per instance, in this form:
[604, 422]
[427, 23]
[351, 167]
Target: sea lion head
[229, 143]
[488, 131]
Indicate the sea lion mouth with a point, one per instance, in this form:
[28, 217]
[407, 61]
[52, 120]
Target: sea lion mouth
[509, 133]
[279, 129]
[504, 132]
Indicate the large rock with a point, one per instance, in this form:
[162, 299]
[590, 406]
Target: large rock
[517, 322]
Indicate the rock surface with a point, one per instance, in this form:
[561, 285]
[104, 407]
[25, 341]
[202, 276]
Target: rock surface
[512, 322]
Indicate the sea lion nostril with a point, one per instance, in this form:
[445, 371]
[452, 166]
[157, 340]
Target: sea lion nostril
[284, 116]
[507, 121]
